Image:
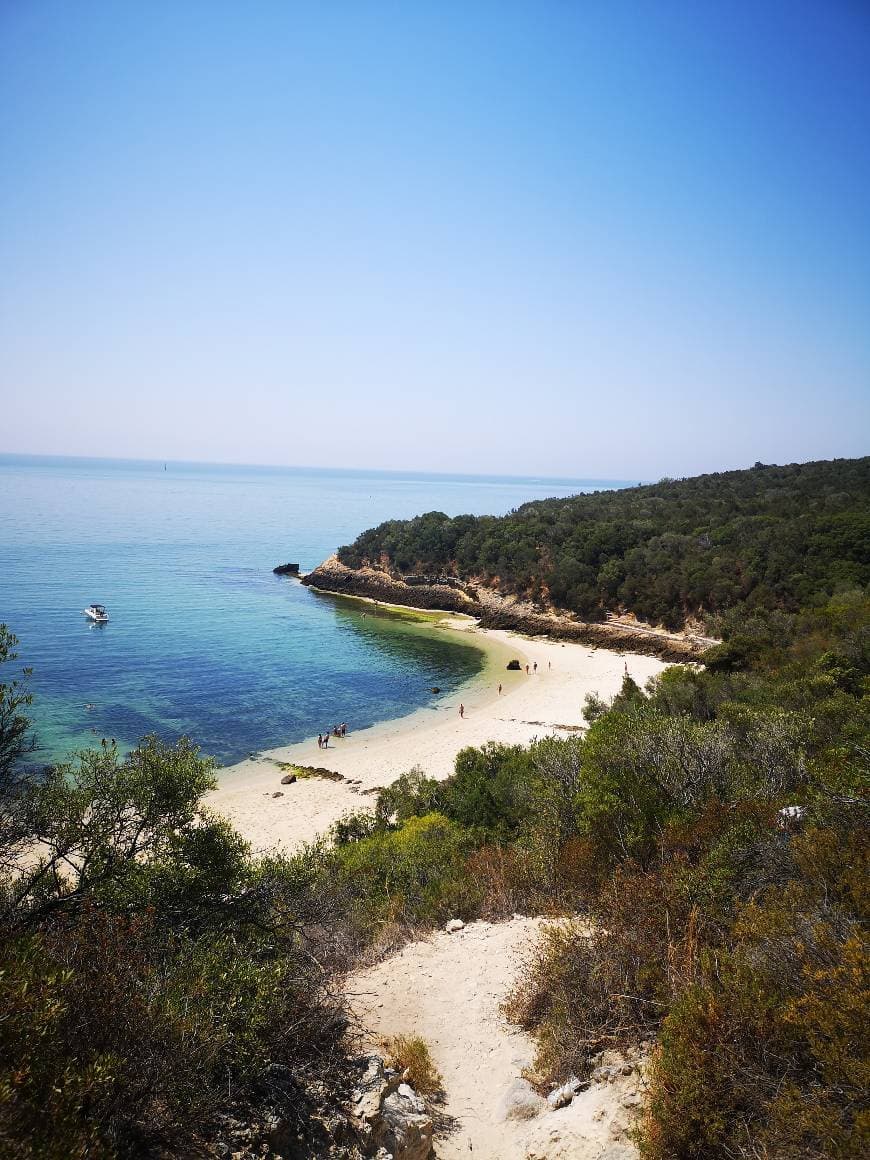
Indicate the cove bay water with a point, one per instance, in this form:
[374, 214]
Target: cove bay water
[203, 639]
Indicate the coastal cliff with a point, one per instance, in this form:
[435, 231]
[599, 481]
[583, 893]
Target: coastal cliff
[495, 610]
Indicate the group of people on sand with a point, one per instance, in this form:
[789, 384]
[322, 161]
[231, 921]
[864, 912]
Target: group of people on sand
[535, 667]
[337, 731]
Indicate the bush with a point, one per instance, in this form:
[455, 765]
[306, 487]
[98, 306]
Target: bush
[151, 973]
[414, 875]
[410, 1054]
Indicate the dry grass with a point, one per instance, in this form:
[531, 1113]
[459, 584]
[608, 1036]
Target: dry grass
[409, 1054]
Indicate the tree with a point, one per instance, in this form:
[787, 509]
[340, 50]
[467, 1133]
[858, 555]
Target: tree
[15, 736]
[153, 975]
[16, 740]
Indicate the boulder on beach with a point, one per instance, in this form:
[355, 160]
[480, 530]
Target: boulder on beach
[286, 570]
[289, 779]
[514, 664]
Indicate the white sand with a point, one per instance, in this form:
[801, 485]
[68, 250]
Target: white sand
[545, 702]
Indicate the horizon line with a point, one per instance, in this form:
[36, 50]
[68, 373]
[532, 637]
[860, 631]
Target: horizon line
[313, 467]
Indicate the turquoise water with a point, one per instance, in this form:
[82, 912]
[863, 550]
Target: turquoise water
[203, 640]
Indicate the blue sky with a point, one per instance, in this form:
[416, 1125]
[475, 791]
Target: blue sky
[584, 239]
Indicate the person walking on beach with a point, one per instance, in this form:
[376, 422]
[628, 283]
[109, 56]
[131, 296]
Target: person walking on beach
[535, 667]
[461, 709]
[326, 739]
[319, 740]
[499, 689]
[527, 670]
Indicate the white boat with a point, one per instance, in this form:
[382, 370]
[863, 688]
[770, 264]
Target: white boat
[97, 612]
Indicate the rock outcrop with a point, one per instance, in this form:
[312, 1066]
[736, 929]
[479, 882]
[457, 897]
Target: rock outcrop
[519, 1102]
[496, 610]
[381, 1118]
[430, 592]
[389, 1116]
[592, 1119]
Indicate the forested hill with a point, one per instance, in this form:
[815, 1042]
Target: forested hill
[772, 537]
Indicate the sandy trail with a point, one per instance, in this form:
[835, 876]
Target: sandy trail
[447, 989]
[547, 701]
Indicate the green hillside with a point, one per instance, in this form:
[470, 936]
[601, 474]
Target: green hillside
[770, 537]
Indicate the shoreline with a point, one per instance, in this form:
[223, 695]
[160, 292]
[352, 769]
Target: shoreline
[272, 816]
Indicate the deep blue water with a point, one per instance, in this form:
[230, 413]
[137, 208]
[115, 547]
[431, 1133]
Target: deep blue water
[203, 639]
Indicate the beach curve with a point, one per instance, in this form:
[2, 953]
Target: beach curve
[546, 701]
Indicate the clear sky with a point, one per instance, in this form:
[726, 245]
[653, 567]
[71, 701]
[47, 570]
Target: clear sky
[588, 239]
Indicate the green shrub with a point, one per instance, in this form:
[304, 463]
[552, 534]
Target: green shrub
[151, 973]
[414, 874]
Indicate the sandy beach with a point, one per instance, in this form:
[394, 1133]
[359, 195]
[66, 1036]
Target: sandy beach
[547, 701]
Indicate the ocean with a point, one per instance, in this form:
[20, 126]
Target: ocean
[203, 639]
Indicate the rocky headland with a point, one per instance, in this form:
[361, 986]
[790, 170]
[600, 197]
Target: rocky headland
[495, 609]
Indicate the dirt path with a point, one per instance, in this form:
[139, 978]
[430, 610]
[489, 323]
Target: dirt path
[447, 989]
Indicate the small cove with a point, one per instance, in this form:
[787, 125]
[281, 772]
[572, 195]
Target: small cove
[203, 639]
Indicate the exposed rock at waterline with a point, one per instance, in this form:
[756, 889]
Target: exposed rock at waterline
[496, 610]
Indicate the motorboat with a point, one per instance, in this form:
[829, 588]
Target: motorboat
[97, 612]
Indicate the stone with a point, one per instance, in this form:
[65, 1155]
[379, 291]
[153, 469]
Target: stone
[560, 1096]
[374, 1086]
[408, 1129]
[407, 1093]
[391, 1118]
[286, 570]
[289, 779]
[790, 817]
[277, 793]
[520, 1102]
[619, 1152]
[453, 925]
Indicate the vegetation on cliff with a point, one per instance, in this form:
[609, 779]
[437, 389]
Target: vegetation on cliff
[764, 538]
